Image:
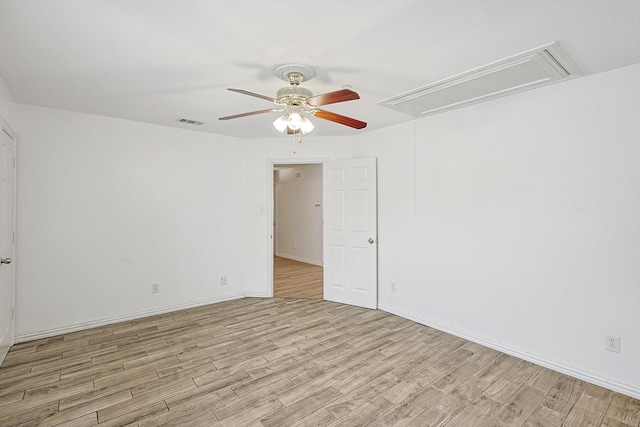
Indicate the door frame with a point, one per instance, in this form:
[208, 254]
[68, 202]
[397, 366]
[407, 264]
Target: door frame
[11, 339]
[271, 208]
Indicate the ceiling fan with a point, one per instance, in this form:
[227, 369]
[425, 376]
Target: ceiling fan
[297, 102]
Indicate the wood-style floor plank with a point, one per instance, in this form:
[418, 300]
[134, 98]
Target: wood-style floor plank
[289, 362]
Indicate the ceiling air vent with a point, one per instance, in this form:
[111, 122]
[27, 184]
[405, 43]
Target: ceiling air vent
[190, 122]
[537, 67]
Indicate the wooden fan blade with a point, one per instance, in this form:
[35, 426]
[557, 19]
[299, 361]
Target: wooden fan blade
[337, 118]
[235, 116]
[257, 95]
[333, 97]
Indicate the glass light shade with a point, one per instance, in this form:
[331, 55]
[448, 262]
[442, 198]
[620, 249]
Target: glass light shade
[281, 124]
[295, 120]
[306, 126]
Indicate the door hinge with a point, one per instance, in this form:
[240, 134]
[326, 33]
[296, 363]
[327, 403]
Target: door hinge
[13, 238]
[13, 162]
[13, 313]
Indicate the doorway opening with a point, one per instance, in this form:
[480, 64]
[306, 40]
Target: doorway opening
[298, 270]
[348, 204]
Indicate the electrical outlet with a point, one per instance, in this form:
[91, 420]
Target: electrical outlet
[223, 280]
[612, 343]
[393, 286]
[155, 288]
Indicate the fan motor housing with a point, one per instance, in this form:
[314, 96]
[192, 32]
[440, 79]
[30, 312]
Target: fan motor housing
[291, 92]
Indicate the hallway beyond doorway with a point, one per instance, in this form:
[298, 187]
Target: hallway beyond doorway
[295, 279]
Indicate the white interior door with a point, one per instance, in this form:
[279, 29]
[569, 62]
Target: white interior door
[7, 239]
[350, 232]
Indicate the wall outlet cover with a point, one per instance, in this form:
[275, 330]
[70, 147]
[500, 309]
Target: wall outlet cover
[612, 343]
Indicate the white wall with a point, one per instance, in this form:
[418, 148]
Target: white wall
[5, 93]
[516, 223]
[106, 207]
[6, 101]
[298, 208]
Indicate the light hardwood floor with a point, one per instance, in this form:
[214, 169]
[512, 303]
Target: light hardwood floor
[294, 279]
[288, 362]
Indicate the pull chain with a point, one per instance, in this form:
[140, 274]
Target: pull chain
[294, 143]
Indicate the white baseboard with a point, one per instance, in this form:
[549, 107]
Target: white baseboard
[295, 258]
[109, 321]
[558, 367]
[256, 295]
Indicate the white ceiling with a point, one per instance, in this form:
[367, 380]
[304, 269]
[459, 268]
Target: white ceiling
[154, 61]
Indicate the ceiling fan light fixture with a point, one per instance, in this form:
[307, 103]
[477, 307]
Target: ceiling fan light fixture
[295, 122]
[296, 102]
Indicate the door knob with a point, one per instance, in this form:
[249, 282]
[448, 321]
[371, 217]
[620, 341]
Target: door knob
[371, 240]
[5, 260]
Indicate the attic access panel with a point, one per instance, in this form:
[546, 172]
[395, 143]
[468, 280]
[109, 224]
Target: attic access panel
[537, 67]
